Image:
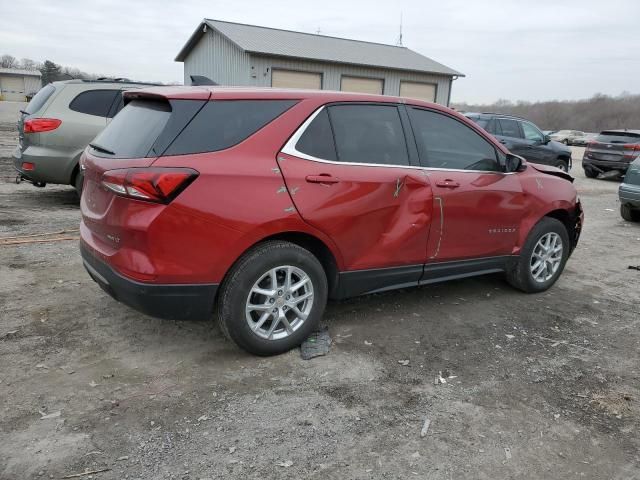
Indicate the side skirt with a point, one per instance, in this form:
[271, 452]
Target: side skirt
[362, 282]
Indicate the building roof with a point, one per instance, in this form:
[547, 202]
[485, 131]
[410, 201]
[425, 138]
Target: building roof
[18, 71]
[287, 43]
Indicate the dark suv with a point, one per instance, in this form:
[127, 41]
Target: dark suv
[523, 138]
[611, 150]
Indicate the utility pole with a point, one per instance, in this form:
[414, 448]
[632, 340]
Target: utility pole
[399, 42]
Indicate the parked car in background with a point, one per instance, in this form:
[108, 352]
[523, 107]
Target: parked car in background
[583, 140]
[568, 137]
[611, 150]
[523, 138]
[57, 125]
[629, 193]
[264, 203]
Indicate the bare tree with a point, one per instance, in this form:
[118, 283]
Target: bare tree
[8, 61]
[28, 64]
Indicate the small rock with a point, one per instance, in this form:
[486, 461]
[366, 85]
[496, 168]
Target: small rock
[45, 416]
[415, 455]
[507, 452]
[123, 458]
[232, 449]
[556, 416]
[510, 337]
[368, 343]
[285, 464]
[404, 363]
[203, 418]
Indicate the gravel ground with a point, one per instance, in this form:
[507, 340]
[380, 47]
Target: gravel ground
[538, 386]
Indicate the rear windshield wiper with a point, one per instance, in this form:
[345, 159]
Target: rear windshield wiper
[101, 149]
[25, 112]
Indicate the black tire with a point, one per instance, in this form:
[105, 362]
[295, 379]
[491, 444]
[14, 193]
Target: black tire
[628, 213]
[78, 183]
[590, 173]
[236, 288]
[520, 276]
[562, 165]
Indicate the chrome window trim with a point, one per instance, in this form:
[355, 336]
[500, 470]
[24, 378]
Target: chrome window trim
[290, 149]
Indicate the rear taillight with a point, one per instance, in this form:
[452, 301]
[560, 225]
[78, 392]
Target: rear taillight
[631, 151]
[28, 166]
[160, 185]
[37, 125]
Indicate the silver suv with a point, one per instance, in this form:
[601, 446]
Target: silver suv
[57, 125]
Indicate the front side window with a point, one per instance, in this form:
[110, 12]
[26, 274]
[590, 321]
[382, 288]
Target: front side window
[509, 128]
[94, 102]
[532, 133]
[444, 142]
[369, 134]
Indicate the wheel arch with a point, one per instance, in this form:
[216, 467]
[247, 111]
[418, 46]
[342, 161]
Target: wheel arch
[570, 217]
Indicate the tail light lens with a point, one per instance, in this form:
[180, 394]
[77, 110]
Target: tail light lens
[631, 151]
[159, 185]
[37, 125]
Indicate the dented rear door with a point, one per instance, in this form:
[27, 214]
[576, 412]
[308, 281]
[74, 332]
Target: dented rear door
[364, 194]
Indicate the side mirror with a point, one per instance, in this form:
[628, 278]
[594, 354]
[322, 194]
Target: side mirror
[547, 139]
[513, 163]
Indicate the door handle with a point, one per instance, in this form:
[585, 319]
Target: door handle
[322, 178]
[504, 142]
[447, 183]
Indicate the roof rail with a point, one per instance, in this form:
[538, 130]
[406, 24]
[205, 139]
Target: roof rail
[120, 80]
[505, 115]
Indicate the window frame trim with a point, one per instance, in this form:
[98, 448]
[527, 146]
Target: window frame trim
[289, 147]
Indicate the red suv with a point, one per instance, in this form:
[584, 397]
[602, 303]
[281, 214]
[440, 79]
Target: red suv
[260, 204]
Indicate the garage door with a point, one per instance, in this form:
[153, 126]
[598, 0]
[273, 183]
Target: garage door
[421, 91]
[12, 88]
[361, 85]
[291, 79]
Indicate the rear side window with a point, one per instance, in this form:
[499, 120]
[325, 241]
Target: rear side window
[369, 134]
[509, 128]
[94, 102]
[134, 130]
[40, 98]
[224, 123]
[317, 139]
[444, 142]
[618, 137]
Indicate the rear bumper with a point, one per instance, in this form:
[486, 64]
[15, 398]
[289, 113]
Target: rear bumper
[629, 194]
[605, 164]
[174, 301]
[51, 166]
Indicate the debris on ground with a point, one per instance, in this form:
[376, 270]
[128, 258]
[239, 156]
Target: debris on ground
[13, 332]
[368, 343]
[425, 428]
[440, 379]
[631, 267]
[86, 472]
[507, 453]
[316, 345]
[46, 416]
[285, 464]
[123, 458]
[404, 363]
[67, 369]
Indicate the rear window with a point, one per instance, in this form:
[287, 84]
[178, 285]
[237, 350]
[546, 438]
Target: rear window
[40, 98]
[94, 102]
[618, 137]
[222, 124]
[134, 130]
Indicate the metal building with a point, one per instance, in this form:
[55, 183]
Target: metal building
[248, 55]
[16, 85]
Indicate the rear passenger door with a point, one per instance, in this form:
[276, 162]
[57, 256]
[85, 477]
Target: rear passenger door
[477, 207]
[350, 174]
[509, 133]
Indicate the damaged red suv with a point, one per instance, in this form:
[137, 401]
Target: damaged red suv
[257, 205]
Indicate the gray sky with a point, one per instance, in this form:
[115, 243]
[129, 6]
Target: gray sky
[514, 49]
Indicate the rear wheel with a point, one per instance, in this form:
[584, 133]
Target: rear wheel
[562, 165]
[273, 298]
[629, 214]
[542, 258]
[590, 173]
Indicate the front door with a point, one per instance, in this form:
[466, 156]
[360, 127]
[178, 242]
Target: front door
[361, 189]
[477, 207]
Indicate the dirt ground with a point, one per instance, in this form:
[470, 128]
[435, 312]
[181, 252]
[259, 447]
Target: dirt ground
[538, 386]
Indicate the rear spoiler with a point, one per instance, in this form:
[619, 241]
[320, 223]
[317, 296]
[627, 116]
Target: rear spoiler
[197, 80]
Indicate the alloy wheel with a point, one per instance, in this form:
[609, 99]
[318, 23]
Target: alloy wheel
[279, 302]
[546, 257]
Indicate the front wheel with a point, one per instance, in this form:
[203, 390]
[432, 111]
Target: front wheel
[590, 173]
[542, 258]
[628, 213]
[273, 298]
[562, 165]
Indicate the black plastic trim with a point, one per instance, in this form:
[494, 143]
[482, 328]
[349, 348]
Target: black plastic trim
[169, 301]
[362, 282]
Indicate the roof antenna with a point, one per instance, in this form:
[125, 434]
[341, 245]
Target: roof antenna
[318, 32]
[399, 42]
